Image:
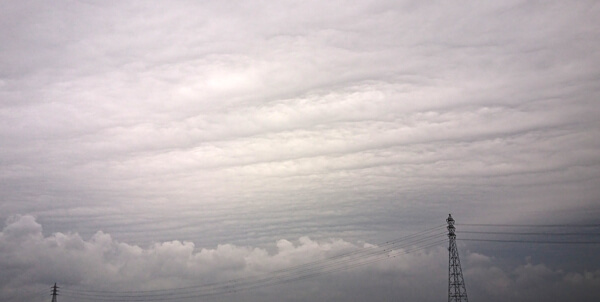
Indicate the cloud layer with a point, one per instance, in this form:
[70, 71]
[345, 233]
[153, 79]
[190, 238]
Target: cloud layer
[233, 109]
[243, 123]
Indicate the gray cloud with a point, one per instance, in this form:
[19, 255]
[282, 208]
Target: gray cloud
[244, 123]
[105, 264]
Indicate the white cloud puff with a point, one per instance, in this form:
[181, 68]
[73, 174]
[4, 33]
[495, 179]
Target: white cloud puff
[31, 262]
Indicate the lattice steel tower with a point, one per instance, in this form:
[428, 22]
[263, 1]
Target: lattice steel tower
[456, 284]
[54, 292]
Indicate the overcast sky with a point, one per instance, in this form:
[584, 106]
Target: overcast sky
[154, 145]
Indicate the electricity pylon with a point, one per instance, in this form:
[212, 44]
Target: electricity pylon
[54, 292]
[456, 284]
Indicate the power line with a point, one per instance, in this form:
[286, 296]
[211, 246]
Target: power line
[531, 233]
[243, 287]
[229, 286]
[340, 262]
[413, 238]
[313, 263]
[336, 263]
[531, 241]
[532, 225]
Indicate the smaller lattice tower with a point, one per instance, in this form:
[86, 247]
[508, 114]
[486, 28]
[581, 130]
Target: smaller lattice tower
[456, 284]
[54, 292]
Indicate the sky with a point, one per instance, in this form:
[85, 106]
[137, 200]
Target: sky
[147, 147]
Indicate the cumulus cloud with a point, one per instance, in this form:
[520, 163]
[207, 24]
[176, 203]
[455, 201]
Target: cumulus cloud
[531, 282]
[100, 266]
[31, 260]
